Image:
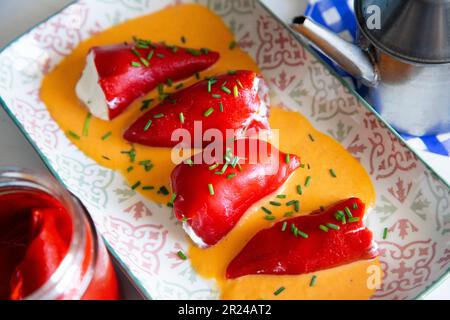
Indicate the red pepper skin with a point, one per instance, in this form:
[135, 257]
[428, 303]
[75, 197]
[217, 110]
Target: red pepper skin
[272, 251]
[248, 110]
[122, 83]
[208, 218]
[50, 234]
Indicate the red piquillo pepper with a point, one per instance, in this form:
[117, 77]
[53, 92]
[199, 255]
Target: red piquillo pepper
[211, 198]
[128, 71]
[307, 244]
[236, 101]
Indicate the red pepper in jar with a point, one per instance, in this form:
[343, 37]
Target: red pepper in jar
[116, 75]
[308, 243]
[236, 101]
[210, 198]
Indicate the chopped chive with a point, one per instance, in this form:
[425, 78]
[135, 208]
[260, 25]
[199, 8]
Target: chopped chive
[354, 219]
[106, 135]
[149, 123]
[197, 75]
[213, 166]
[385, 233]
[239, 83]
[221, 106]
[290, 203]
[312, 283]
[267, 211]
[181, 255]
[144, 62]
[332, 226]
[211, 189]
[281, 196]
[146, 104]
[106, 158]
[235, 91]
[225, 89]
[323, 228]
[148, 187]
[193, 52]
[134, 186]
[86, 124]
[297, 206]
[183, 39]
[184, 219]
[283, 228]
[348, 212]
[289, 214]
[287, 158]
[169, 82]
[209, 85]
[73, 135]
[130, 168]
[136, 52]
[299, 189]
[189, 162]
[174, 49]
[160, 55]
[204, 50]
[333, 173]
[232, 45]
[181, 115]
[216, 96]
[308, 181]
[208, 112]
[302, 234]
[158, 116]
[270, 218]
[179, 86]
[231, 176]
[173, 197]
[150, 55]
[275, 203]
[135, 64]
[355, 205]
[302, 166]
[163, 190]
[311, 137]
[343, 220]
[231, 72]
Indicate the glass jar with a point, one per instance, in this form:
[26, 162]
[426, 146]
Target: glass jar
[85, 270]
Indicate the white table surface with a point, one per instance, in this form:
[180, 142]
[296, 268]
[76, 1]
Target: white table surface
[17, 16]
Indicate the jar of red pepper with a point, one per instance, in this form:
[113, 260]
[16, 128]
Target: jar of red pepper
[49, 248]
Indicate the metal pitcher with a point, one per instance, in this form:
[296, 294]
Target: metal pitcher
[405, 60]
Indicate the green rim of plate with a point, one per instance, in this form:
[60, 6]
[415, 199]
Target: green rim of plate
[136, 282]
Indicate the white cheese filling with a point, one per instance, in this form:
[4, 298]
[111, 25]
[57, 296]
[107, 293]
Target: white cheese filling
[88, 90]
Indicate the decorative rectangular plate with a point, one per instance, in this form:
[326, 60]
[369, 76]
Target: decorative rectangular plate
[412, 202]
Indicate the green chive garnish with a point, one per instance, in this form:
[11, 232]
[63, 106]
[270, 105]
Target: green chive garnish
[297, 206]
[308, 181]
[163, 190]
[267, 211]
[231, 72]
[225, 89]
[183, 39]
[181, 255]
[333, 173]
[179, 86]
[287, 159]
[354, 219]
[355, 205]
[181, 115]
[332, 226]
[323, 228]
[289, 214]
[281, 196]
[275, 203]
[283, 228]
[73, 135]
[239, 83]
[160, 55]
[135, 64]
[86, 124]
[173, 197]
[149, 123]
[216, 96]
[232, 45]
[231, 176]
[221, 106]
[311, 137]
[106, 135]
[235, 91]
[144, 62]
[313, 281]
[208, 112]
[211, 189]
[134, 186]
[348, 212]
[148, 187]
[290, 203]
[106, 158]
[130, 168]
[150, 55]
[302, 234]
[270, 218]
[385, 233]
[189, 162]
[146, 104]
[299, 189]
[158, 116]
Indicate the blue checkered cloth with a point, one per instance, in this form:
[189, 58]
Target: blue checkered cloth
[338, 16]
